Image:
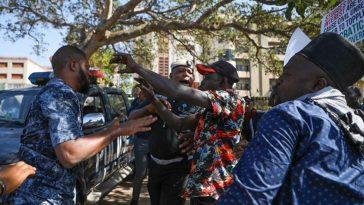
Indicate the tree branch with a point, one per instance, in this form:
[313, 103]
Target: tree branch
[107, 11]
[211, 10]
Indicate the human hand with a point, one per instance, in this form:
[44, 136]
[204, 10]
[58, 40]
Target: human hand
[186, 143]
[167, 104]
[131, 127]
[126, 59]
[14, 175]
[148, 91]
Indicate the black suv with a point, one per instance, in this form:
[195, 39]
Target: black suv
[101, 172]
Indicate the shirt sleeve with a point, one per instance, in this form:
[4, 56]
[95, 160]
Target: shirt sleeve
[62, 113]
[263, 167]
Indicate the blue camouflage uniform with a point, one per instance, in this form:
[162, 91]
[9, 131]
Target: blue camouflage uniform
[54, 118]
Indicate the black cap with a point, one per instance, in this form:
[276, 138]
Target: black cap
[339, 59]
[221, 67]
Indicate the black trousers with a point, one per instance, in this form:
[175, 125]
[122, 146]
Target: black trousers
[202, 201]
[165, 182]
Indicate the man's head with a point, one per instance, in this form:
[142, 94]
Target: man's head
[328, 60]
[181, 72]
[71, 65]
[220, 75]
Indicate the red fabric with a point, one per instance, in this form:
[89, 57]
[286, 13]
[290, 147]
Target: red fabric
[204, 69]
[96, 74]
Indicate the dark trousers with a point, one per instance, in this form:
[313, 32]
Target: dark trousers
[202, 201]
[165, 182]
[141, 150]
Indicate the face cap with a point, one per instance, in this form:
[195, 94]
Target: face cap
[221, 67]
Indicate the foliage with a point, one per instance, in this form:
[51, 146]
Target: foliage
[94, 24]
[100, 60]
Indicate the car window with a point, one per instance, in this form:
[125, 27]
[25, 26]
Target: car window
[15, 106]
[118, 105]
[93, 104]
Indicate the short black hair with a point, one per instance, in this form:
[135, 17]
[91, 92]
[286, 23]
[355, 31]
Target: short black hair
[65, 54]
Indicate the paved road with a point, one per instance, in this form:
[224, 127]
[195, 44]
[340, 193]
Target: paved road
[122, 194]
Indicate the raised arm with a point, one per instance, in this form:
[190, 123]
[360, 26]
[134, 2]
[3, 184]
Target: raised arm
[165, 86]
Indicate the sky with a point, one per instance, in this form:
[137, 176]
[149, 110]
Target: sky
[24, 47]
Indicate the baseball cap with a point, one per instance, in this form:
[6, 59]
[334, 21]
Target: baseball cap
[221, 67]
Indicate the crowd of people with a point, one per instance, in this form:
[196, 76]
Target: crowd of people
[307, 149]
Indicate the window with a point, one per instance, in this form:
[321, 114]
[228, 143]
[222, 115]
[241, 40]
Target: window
[273, 44]
[163, 63]
[242, 65]
[15, 106]
[3, 64]
[18, 65]
[93, 104]
[17, 76]
[118, 106]
[3, 76]
[243, 84]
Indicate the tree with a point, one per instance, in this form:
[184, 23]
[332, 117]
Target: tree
[93, 24]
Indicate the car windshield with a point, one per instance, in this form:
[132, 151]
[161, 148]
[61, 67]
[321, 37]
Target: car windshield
[14, 106]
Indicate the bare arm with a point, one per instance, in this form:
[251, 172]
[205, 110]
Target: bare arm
[71, 152]
[167, 87]
[174, 121]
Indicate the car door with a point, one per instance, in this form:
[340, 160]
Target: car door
[119, 105]
[95, 118]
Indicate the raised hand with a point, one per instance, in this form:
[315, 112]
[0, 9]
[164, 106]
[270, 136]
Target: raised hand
[148, 92]
[126, 59]
[14, 175]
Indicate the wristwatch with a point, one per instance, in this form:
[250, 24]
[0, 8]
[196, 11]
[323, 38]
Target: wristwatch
[2, 187]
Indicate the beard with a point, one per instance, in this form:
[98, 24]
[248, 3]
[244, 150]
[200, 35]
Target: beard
[85, 82]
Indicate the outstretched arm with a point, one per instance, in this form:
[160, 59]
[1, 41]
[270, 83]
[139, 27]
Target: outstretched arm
[71, 152]
[165, 86]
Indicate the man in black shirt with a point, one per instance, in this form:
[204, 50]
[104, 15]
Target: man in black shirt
[141, 147]
[168, 167]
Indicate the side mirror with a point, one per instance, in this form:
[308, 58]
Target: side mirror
[93, 120]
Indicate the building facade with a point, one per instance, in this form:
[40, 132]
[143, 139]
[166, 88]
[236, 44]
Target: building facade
[14, 72]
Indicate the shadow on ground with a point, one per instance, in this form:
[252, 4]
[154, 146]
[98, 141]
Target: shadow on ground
[122, 194]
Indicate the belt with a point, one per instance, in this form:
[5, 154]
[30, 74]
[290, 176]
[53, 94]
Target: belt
[166, 161]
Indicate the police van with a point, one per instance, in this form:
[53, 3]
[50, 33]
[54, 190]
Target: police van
[100, 173]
